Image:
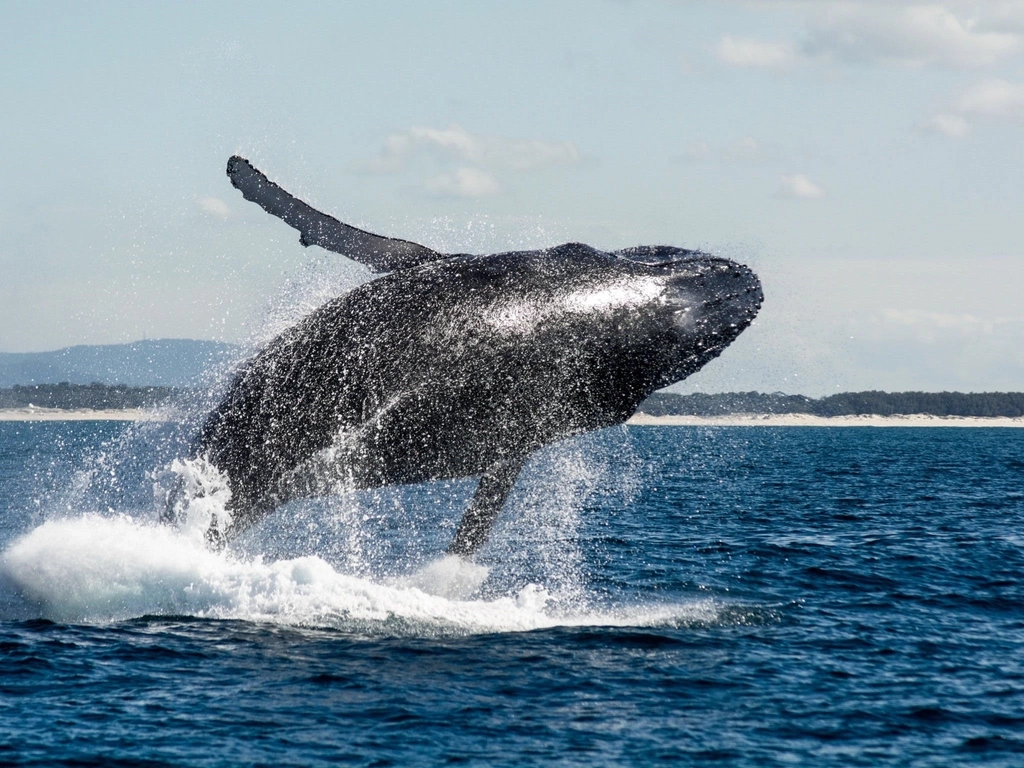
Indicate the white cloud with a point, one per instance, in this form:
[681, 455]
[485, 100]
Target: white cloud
[955, 33]
[755, 54]
[742, 150]
[1004, 16]
[993, 98]
[215, 207]
[938, 349]
[914, 35]
[931, 327]
[468, 164]
[798, 186]
[464, 182]
[948, 125]
[456, 143]
[986, 100]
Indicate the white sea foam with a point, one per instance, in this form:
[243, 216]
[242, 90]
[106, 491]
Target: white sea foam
[451, 576]
[94, 569]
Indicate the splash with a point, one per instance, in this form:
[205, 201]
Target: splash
[94, 569]
[450, 577]
[359, 561]
[195, 494]
[343, 559]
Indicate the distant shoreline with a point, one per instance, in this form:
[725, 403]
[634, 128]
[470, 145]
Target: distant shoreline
[103, 401]
[638, 419]
[79, 414]
[807, 420]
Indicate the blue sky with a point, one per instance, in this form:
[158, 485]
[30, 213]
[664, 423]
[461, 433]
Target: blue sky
[867, 158]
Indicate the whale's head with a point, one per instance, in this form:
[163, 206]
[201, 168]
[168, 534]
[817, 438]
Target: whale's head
[703, 303]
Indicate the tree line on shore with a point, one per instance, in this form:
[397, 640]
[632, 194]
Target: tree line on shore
[119, 396]
[1010, 404]
[100, 397]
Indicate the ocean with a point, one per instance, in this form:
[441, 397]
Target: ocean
[746, 596]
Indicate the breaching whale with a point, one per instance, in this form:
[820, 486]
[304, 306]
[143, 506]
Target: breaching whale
[454, 366]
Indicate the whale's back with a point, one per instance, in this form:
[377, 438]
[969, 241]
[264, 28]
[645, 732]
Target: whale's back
[428, 373]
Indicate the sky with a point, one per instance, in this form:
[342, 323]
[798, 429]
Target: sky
[865, 158]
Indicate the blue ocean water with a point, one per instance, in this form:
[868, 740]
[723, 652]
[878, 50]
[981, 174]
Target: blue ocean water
[728, 596]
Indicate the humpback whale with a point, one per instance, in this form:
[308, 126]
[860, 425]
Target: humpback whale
[458, 365]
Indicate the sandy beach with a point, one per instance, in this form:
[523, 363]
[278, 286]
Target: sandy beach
[79, 414]
[640, 419]
[806, 420]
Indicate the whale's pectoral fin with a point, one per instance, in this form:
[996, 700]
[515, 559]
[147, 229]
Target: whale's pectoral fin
[477, 521]
[381, 254]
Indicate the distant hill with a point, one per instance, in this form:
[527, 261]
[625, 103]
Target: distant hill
[151, 363]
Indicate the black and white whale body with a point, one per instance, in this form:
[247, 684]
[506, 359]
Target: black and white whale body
[459, 366]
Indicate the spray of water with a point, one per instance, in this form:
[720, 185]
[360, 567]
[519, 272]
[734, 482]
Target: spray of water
[94, 569]
[367, 561]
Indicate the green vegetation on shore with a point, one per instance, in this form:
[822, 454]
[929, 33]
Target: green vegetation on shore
[1009, 404]
[100, 397]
